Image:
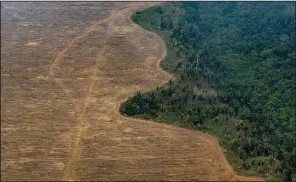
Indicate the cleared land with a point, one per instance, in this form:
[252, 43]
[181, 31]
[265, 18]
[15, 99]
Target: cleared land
[62, 80]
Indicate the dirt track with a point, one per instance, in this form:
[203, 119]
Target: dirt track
[96, 70]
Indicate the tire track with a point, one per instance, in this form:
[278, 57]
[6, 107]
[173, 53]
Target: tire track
[75, 152]
[69, 173]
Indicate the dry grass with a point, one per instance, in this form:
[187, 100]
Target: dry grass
[62, 83]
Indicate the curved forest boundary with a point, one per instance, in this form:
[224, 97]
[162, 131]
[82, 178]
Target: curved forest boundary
[219, 53]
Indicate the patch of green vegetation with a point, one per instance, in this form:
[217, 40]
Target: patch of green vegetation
[243, 50]
[149, 19]
[161, 20]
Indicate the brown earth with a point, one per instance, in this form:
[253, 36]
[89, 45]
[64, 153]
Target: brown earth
[60, 93]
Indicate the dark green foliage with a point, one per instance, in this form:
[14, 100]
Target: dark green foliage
[149, 19]
[140, 104]
[157, 17]
[176, 100]
[246, 52]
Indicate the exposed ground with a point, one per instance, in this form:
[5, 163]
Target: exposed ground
[64, 71]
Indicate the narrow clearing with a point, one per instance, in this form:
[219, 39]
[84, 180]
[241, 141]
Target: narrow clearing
[99, 69]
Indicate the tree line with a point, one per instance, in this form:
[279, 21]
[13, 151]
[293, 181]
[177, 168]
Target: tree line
[245, 51]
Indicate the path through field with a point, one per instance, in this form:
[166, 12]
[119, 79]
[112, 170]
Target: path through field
[63, 123]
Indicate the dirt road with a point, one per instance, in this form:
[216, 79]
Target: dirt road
[95, 71]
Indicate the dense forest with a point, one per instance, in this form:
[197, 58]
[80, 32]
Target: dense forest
[235, 69]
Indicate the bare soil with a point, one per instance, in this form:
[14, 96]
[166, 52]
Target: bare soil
[63, 76]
